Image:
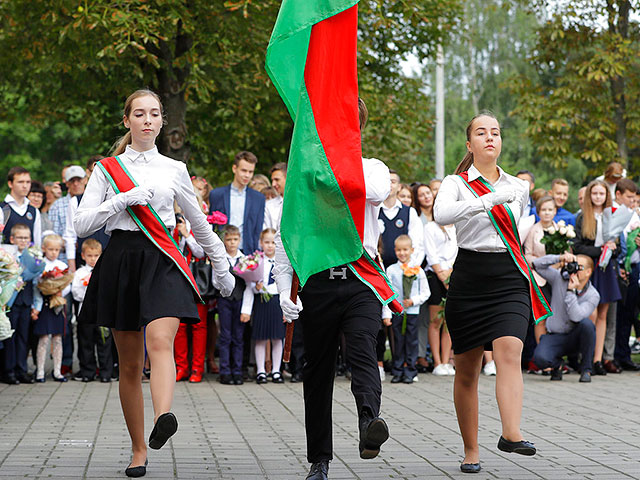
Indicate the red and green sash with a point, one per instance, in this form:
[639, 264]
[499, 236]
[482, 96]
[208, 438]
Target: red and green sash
[504, 222]
[372, 275]
[146, 218]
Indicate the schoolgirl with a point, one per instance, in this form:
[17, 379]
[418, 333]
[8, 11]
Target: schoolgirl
[49, 321]
[441, 249]
[262, 298]
[141, 279]
[489, 300]
[590, 241]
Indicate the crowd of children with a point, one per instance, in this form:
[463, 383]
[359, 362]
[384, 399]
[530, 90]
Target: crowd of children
[418, 254]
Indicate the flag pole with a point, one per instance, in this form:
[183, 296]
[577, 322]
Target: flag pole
[288, 339]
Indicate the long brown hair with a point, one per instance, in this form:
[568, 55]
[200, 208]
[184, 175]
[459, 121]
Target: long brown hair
[467, 161]
[589, 224]
[415, 203]
[122, 142]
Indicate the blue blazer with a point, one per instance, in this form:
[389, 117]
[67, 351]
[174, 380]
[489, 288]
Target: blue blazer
[220, 199]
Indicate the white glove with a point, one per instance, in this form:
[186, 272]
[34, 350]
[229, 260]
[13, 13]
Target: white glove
[135, 196]
[290, 310]
[492, 199]
[224, 281]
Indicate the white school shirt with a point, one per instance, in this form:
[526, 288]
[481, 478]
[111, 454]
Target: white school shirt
[378, 185]
[250, 290]
[272, 213]
[456, 204]
[38, 299]
[420, 291]
[415, 229]
[170, 182]
[78, 287]
[441, 247]
[21, 210]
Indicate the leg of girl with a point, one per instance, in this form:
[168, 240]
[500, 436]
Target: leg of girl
[160, 336]
[130, 347]
[57, 355]
[601, 329]
[261, 352]
[276, 354]
[434, 333]
[41, 353]
[465, 397]
[507, 352]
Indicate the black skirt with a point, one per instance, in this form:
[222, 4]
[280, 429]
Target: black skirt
[488, 298]
[437, 289]
[267, 319]
[134, 283]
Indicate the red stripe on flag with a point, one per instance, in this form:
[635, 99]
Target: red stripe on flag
[331, 79]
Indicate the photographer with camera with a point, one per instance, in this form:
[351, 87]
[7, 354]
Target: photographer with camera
[573, 301]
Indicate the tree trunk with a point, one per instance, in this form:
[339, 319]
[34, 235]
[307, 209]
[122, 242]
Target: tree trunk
[173, 141]
[619, 25]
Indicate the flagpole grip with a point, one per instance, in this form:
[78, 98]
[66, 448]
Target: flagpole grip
[288, 339]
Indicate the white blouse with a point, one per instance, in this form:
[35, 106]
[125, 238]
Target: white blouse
[169, 181]
[456, 204]
[441, 246]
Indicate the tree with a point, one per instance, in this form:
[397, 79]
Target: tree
[587, 67]
[206, 60]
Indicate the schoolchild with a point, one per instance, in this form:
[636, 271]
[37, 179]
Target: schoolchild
[142, 281]
[16, 348]
[230, 338]
[91, 339]
[49, 321]
[405, 325]
[263, 300]
[16, 207]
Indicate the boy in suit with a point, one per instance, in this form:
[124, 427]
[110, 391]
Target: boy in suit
[242, 205]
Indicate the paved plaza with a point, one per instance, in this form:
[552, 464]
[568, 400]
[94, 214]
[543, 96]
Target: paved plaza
[251, 432]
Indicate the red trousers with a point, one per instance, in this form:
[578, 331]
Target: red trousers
[198, 344]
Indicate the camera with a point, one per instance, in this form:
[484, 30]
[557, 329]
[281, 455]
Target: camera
[569, 269]
[179, 218]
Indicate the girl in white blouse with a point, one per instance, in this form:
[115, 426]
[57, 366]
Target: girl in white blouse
[488, 301]
[134, 285]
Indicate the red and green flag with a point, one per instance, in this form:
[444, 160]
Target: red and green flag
[312, 61]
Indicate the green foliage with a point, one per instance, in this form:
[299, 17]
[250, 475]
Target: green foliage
[581, 102]
[206, 59]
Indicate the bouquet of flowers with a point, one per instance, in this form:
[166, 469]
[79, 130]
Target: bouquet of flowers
[217, 219]
[52, 283]
[614, 221]
[409, 275]
[558, 240]
[250, 267]
[10, 271]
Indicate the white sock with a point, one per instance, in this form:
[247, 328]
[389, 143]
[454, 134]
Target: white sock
[57, 355]
[261, 353]
[276, 354]
[41, 352]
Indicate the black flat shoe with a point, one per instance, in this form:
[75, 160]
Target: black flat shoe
[522, 447]
[470, 467]
[62, 379]
[139, 471]
[372, 435]
[164, 428]
[40, 380]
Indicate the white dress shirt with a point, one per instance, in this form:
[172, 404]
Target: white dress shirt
[21, 210]
[80, 283]
[250, 290]
[441, 247]
[70, 238]
[272, 213]
[456, 204]
[170, 182]
[420, 291]
[415, 230]
[377, 185]
[237, 204]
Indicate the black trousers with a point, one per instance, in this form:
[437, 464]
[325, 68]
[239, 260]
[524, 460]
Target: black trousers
[330, 307]
[89, 340]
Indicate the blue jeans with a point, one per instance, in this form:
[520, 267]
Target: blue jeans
[230, 337]
[554, 346]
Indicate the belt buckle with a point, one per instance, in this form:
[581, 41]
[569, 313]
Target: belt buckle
[338, 273]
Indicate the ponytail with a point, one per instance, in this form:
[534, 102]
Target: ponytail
[120, 146]
[465, 164]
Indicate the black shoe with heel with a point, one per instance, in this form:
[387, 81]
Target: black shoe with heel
[165, 427]
[470, 467]
[139, 471]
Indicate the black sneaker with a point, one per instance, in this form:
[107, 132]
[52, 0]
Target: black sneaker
[598, 369]
[585, 377]
[556, 374]
[396, 379]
